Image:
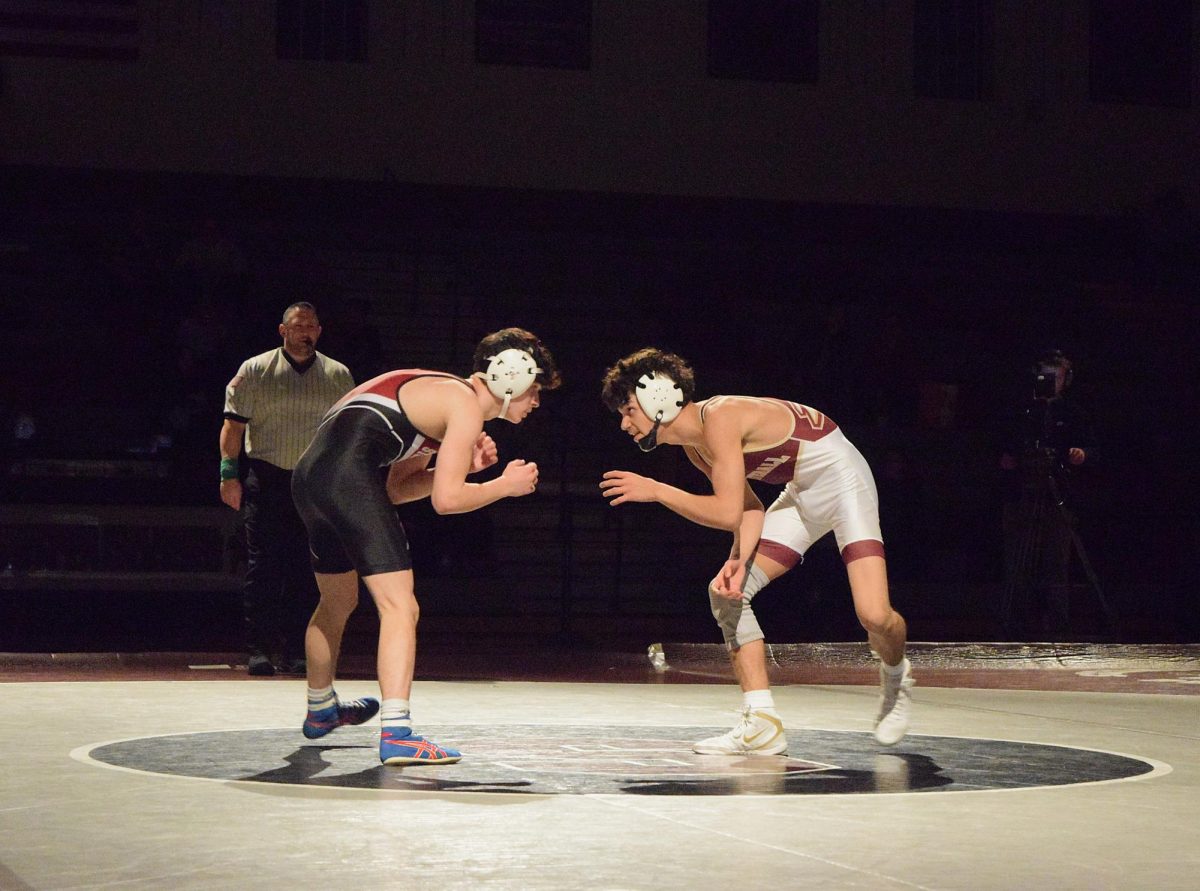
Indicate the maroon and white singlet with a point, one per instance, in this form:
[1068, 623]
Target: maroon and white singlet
[827, 483]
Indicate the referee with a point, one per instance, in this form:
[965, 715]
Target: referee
[276, 400]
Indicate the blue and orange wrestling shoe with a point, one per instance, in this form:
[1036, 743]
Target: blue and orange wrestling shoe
[356, 711]
[399, 746]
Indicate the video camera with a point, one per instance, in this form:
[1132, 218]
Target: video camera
[1045, 374]
[1045, 380]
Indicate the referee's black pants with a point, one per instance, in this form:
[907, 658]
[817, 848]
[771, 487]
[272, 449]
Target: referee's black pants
[280, 593]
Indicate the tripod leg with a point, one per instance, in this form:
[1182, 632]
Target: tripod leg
[1106, 609]
[1014, 559]
[1022, 559]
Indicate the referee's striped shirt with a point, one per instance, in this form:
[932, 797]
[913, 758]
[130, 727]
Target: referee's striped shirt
[281, 402]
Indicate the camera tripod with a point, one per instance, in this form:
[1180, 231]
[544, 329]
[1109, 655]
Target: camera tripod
[1043, 499]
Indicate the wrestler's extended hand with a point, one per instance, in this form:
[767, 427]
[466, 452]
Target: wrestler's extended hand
[729, 580]
[621, 486]
[521, 476]
[484, 454]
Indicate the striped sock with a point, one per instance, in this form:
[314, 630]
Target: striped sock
[319, 700]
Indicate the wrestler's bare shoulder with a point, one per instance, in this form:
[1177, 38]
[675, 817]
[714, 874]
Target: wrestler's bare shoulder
[429, 401]
[754, 408]
[761, 421]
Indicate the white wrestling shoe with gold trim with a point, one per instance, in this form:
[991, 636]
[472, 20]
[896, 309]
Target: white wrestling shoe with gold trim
[757, 733]
[895, 702]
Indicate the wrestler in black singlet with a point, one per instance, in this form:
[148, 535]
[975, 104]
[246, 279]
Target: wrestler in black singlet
[340, 483]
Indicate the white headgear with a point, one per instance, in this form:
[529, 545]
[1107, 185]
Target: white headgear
[660, 397]
[509, 374]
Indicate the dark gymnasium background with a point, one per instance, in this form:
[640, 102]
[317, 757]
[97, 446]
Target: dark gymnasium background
[886, 210]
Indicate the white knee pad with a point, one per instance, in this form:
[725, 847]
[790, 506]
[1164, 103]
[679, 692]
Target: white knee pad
[736, 617]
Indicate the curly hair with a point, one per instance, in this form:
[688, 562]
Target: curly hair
[621, 380]
[518, 338]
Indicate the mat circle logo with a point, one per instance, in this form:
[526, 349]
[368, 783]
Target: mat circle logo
[614, 759]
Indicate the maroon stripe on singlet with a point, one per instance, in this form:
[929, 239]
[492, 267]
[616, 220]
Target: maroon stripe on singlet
[856, 550]
[781, 554]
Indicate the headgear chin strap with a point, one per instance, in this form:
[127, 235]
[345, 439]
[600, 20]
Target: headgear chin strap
[662, 401]
[509, 374]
